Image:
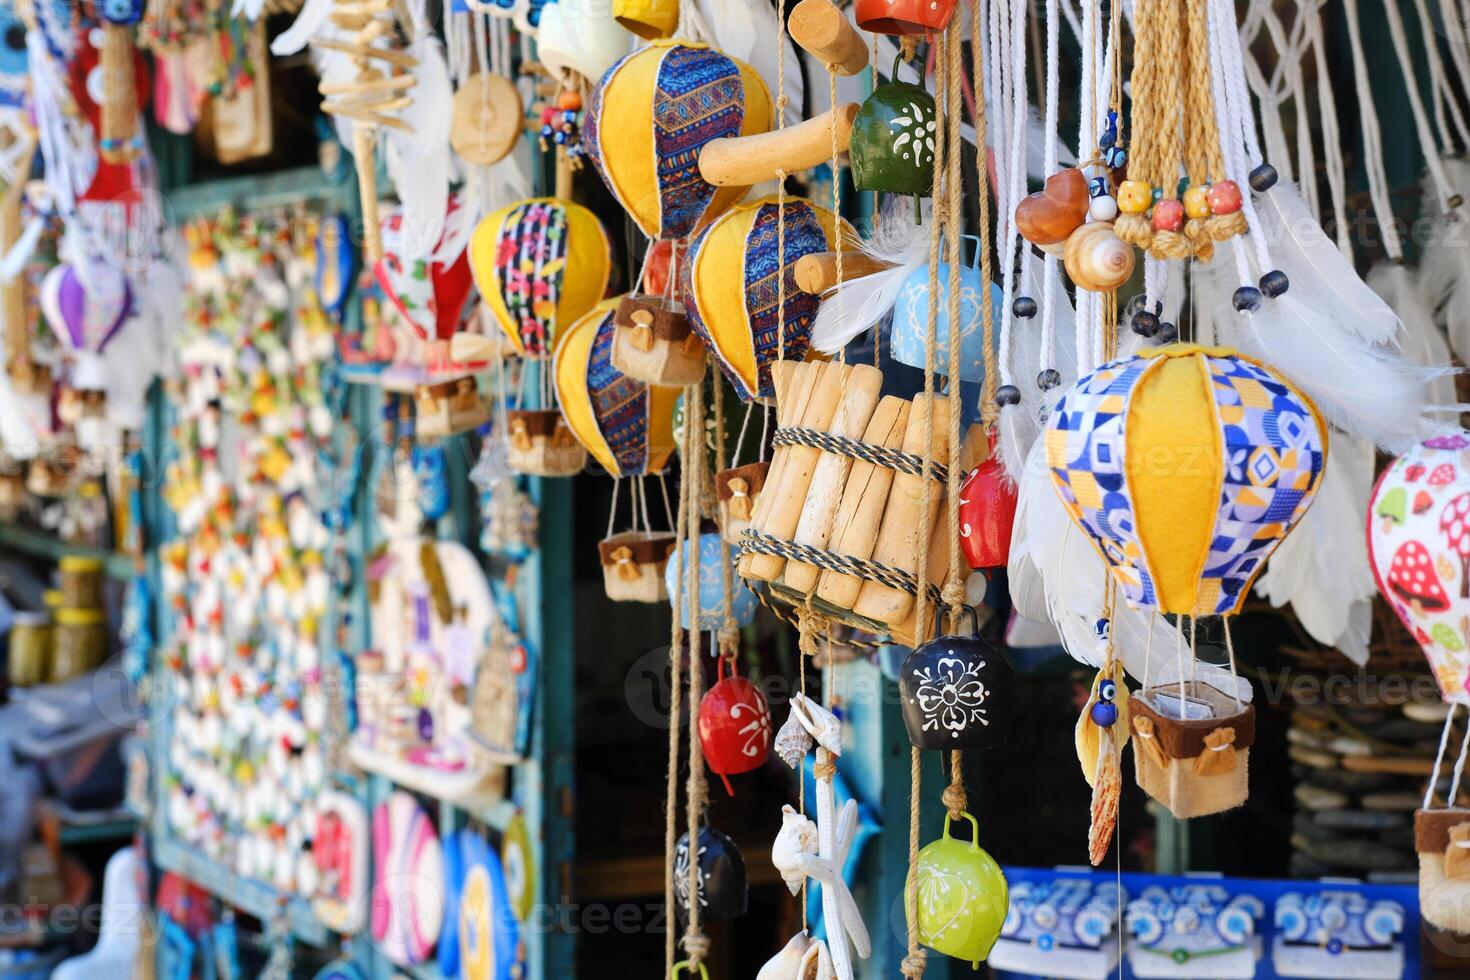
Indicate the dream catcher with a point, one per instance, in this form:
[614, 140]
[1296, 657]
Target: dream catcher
[627, 427]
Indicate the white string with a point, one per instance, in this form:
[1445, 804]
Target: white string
[1444, 738]
[1049, 270]
[612, 512]
[1230, 649]
[1372, 137]
[1459, 767]
[1155, 282]
[1444, 96]
[1234, 111]
[1332, 161]
[740, 439]
[1416, 105]
[1148, 647]
[643, 503]
[663, 486]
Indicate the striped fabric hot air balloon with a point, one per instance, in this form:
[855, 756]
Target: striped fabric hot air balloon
[626, 425]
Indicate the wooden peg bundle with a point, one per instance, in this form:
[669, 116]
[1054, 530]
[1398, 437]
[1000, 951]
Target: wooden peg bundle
[381, 88]
[842, 528]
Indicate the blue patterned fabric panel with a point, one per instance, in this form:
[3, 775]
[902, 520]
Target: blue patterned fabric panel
[1084, 450]
[619, 403]
[700, 97]
[1274, 459]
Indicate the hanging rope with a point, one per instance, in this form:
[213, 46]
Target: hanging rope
[696, 944]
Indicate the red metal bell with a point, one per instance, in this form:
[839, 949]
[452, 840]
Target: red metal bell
[734, 726]
[987, 511]
[900, 17]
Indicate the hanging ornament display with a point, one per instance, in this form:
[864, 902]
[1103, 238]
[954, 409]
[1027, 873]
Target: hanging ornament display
[655, 343]
[430, 293]
[961, 896]
[734, 723]
[909, 339]
[648, 119]
[86, 303]
[987, 514]
[720, 883]
[486, 122]
[904, 17]
[1187, 539]
[576, 37]
[714, 555]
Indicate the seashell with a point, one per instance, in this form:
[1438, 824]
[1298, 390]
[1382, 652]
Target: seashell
[786, 965]
[793, 741]
[817, 963]
[1051, 214]
[796, 839]
[1097, 259]
[819, 722]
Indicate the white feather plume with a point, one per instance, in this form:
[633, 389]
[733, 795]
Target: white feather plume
[865, 300]
[1055, 571]
[1367, 390]
[308, 22]
[1421, 341]
[1444, 276]
[1321, 567]
[1020, 424]
[1317, 268]
[419, 159]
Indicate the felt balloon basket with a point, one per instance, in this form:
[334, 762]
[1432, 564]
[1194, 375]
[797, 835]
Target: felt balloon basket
[962, 896]
[448, 408]
[1442, 838]
[738, 493]
[1191, 748]
[654, 342]
[843, 501]
[539, 443]
[633, 565]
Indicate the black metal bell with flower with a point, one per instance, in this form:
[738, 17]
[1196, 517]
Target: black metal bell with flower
[722, 883]
[957, 692]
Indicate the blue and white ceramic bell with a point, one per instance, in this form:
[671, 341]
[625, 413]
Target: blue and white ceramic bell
[911, 320]
[712, 551]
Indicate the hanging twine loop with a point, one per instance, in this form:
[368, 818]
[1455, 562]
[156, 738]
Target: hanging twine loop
[955, 799]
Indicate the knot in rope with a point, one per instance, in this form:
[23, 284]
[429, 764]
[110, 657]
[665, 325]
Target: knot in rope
[955, 800]
[913, 964]
[696, 946]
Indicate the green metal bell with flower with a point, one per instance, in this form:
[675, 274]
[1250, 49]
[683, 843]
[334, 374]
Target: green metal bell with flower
[962, 896]
[893, 136]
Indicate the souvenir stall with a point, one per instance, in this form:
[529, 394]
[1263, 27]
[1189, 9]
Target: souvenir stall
[715, 488]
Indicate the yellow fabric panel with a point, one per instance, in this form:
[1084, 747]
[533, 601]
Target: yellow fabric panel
[626, 122]
[589, 263]
[1175, 471]
[661, 402]
[483, 245]
[570, 372]
[718, 280]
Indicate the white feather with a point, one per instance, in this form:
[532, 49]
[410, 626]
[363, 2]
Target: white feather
[865, 300]
[1422, 341]
[1055, 571]
[1321, 567]
[1020, 424]
[1366, 390]
[419, 159]
[1444, 276]
[1317, 268]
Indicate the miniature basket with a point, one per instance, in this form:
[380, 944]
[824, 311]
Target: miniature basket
[633, 565]
[654, 342]
[1194, 766]
[738, 492]
[541, 444]
[447, 408]
[1442, 838]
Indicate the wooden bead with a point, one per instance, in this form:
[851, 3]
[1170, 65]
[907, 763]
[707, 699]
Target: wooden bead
[1134, 197]
[1168, 216]
[1096, 259]
[1197, 201]
[1224, 197]
[1054, 212]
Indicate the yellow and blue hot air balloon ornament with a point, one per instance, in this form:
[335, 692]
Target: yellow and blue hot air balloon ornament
[1187, 466]
[649, 117]
[628, 427]
[731, 285]
[540, 264]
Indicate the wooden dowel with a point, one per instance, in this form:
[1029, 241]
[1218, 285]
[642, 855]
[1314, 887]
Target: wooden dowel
[824, 493]
[370, 118]
[399, 58]
[820, 28]
[787, 377]
[365, 155]
[816, 273]
[741, 161]
[388, 83]
[855, 529]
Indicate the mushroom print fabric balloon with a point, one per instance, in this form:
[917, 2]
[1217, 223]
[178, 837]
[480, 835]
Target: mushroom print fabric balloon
[627, 425]
[1419, 547]
[540, 263]
[732, 287]
[1186, 466]
[430, 292]
[651, 115]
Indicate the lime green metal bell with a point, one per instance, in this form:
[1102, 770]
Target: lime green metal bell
[962, 896]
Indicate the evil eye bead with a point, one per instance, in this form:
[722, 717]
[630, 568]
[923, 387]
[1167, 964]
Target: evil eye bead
[1107, 690]
[1115, 157]
[1097, 187]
